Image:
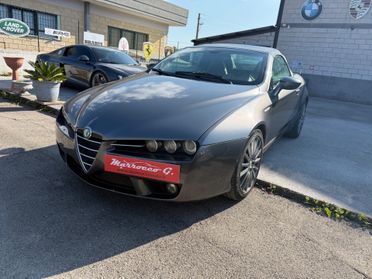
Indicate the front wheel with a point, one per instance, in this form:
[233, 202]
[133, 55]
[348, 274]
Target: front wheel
[248, 166]
[98, 78]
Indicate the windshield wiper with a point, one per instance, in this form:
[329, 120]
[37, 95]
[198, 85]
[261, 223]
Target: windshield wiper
[203, 76]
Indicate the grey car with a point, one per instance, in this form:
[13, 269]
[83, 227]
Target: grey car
[194, 126]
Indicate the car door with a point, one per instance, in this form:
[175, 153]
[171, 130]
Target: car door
[283, 109]
[77, 69]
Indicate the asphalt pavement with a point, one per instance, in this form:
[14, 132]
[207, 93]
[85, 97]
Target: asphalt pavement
[53, 225]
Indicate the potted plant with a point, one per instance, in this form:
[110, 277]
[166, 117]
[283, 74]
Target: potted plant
[46, 79]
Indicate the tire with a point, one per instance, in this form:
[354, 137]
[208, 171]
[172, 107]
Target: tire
[247, 168]
[98, 78]
[295, 129]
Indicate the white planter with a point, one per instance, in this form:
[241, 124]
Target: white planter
[46, 91]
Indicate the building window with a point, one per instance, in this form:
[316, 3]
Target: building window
[135, 39]
[3, 11]
[37, 21]
[46, 21]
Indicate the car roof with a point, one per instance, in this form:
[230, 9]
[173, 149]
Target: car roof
[89, 46]
[268, 50]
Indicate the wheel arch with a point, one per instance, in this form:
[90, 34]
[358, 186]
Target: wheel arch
[262, 127]
[95, 71]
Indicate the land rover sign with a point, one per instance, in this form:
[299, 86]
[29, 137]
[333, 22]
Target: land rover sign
[14, 27]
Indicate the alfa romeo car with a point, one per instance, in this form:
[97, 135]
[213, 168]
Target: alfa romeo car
[192, 127]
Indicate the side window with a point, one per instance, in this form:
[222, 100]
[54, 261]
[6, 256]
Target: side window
[280, 70]
[76, 52]
[58, 52]
[71, 52]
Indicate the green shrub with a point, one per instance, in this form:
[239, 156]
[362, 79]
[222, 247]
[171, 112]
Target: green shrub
[44, 71]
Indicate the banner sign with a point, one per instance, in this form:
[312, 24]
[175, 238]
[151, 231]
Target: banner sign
[59, 33]
[94, 39]
[14, 27]
[142, 168]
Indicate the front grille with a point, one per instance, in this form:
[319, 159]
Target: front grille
[87, 150]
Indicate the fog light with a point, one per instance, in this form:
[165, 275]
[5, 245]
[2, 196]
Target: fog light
[152, 145]
[170, 146]
[172, 188]
[189, 147]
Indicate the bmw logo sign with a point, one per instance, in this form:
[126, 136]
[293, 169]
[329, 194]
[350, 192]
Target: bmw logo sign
[311, 9]
[87, 132]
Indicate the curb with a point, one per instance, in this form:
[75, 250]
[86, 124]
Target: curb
[317, 206]
[320, 207]
[19, 99]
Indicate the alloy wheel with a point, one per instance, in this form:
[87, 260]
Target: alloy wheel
[98, 79]
[251, 163]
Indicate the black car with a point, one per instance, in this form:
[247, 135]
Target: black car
[193, 127]
[90, 65]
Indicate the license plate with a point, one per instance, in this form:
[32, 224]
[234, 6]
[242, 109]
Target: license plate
[142, 168]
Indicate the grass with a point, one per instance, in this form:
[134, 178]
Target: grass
[19, 100]
[322, 208]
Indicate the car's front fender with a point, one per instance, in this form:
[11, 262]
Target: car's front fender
[237, 125]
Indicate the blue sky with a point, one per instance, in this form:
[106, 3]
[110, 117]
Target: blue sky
[222, 16]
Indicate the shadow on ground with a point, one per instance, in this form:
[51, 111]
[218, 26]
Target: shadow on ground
[51, 222]
[14, 109]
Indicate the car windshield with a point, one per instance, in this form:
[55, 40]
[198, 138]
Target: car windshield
[215, 64]
[112, 56]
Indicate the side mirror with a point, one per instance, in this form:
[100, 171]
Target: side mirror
[151, 65]
[289, 83]
[285, 83]
[84, 58]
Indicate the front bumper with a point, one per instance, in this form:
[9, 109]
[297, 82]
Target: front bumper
[207, 175]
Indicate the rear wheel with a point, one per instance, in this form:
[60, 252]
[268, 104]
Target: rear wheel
[247, 169]
[98, 78]
[295, 129]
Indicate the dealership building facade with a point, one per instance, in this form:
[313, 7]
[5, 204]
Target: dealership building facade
[137, 20]
[329, 42]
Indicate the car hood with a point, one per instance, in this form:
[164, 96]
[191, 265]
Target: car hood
[130, 69]
[151, 106]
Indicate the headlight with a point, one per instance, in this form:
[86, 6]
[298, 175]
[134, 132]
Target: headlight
[64, 130]
[63, 125]
[189, 147]
[170, 146]
[152, 145]
[120, 76]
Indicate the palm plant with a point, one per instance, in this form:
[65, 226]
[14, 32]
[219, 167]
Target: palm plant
[44, 71]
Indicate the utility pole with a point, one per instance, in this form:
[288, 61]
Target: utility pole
[198, 27]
